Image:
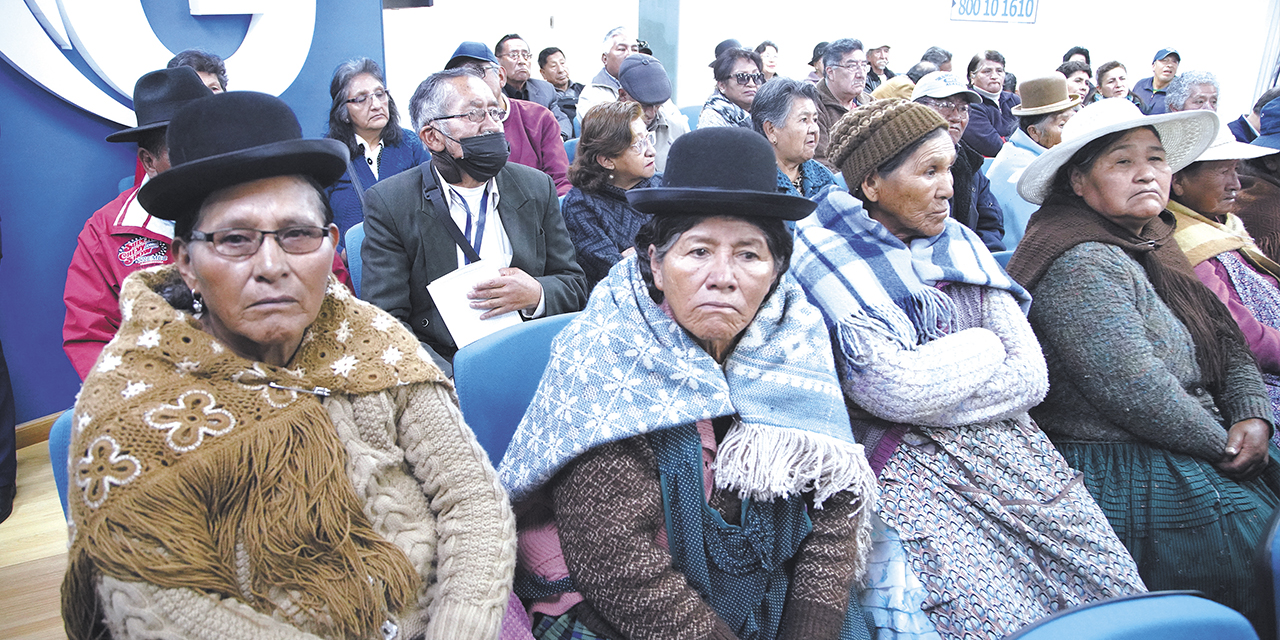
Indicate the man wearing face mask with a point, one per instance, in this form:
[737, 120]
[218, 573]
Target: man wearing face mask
[467, 204]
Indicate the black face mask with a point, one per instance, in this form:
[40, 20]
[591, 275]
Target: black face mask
[483, 156]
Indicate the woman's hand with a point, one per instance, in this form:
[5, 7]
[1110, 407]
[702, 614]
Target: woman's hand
[1246, 453]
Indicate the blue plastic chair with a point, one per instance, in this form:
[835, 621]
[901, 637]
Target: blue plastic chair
[840, 182]
[355, 238]
[570, 148]
[692, 114]
[577, 126]
[59, 445]
[1268, 567]
[1162, 615]
[497, 375]
[1002, 257]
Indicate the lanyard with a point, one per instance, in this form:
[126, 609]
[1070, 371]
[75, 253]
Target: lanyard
[479, 235]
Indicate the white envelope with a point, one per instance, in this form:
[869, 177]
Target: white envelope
[449, 292]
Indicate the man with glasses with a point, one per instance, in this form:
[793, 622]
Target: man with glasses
[618, 44]
[530, 128]
[467, 204]
[516, 60]
[972, 203]
[844, 80]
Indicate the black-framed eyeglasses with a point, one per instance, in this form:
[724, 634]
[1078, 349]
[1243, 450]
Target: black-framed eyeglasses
[855, 64]
[484, 69]
[477, 115]
[364, 97]
[942, 106]
[238, 243]
[744, 79]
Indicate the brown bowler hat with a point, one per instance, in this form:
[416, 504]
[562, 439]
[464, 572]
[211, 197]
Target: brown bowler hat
[1041, 96]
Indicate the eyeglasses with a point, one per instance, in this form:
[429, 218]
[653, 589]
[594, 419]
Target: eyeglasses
[856, 64]
[237, 243]
[517, 55]
[644, 143]
[483, 69]
[745, 78]
[361, 99]
[960, 107]
[477, 115]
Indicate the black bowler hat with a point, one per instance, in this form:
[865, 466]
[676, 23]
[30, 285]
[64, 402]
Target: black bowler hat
[721, 171]
[231, 138]
[157, 96]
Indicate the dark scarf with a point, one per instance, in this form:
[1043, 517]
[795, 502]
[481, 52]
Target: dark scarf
[1064, 222]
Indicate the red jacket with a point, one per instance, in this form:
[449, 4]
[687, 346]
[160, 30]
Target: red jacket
[117, 240]
[534, 138]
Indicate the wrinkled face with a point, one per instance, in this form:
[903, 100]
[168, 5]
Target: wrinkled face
[623, 46]
[370, 117]
[515, 61]
[797, 138]
[260, 303]
[1114, 84]
[469, 93]
[494, 75]
[1078, 83]
[1129, 182]
[737, 92]
[770, 59]
[650, 113]
[911, 201]
[1202, 96]
[210, 80]
[955, 110]
[847, 80]
[556, 71]
[878, 59]
[989, 76]
[714, 279]
[1165, 68]
[1048, 132]
[1208, 188]
[636, 162]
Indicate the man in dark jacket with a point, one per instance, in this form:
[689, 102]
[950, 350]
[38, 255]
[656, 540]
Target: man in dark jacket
[415, 221]
[1164, 66]
[972, 204]
[516, 60]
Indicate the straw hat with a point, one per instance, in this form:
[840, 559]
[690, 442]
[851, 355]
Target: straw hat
[1184, 134]
[1042, 96]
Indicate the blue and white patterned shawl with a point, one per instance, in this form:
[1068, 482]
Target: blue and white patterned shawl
[625, 368]
[865, 279]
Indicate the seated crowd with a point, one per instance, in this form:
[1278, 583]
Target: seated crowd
[802, 398]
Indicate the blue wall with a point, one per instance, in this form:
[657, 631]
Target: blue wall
[56, 170]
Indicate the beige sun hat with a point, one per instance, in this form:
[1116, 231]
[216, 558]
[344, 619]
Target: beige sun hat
[1226, 147]
[1184, 134]
[1042, 96]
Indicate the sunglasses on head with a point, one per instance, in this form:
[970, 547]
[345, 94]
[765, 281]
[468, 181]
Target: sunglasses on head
[745, 78]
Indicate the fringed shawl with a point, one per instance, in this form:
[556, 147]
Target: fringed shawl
[194, 468]
[867, 281]
[625, 368]
[1202, 238]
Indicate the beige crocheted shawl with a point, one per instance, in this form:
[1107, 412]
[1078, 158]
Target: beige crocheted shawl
[194, 468]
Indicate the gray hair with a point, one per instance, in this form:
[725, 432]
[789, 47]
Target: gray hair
[774, 100]
[936, 55]
[433, 94]
[613, 33]
[836, 51]
[1180, 87]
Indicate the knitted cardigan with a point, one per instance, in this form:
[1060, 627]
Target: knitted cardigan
[1122, 367]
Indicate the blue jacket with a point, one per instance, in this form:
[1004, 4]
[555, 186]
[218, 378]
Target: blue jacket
[1003, 175]
[991, 123]
[815, 178]
[1152, 99]
[345, 196]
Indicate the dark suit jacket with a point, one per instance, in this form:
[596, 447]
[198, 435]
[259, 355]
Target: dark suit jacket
[543, 93]
[407, 245]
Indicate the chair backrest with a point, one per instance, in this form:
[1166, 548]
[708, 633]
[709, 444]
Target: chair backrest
[1268, 569]
[355, 238]
[840, 182]
[1166, 615]
[59, 444]
[1002, 257]
[692, 112]
[570, 148]
[497, 375]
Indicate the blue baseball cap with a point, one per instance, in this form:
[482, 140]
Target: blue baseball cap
[1269, 136]
[1165, 53]
[469, 51]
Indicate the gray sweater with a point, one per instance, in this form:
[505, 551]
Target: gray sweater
[1122, 367]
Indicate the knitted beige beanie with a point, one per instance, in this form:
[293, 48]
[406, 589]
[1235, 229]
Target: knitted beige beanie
[868, 136]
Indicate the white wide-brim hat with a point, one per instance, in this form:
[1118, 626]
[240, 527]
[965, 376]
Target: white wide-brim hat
[1184, 134]
[1226, 147]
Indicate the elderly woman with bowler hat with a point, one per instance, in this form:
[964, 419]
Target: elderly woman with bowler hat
[686, 468]
[364, 118]
[615, 154]
[1153, 396]
[982, 526]
[1046, 106]
[258, 453]
[785, 112]
[1202, 200]
[738, 77]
